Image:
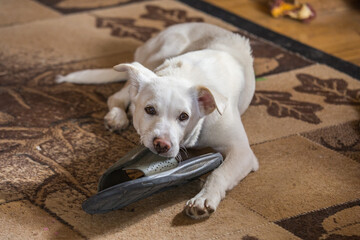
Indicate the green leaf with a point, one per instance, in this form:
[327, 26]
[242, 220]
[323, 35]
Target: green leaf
[259, 79]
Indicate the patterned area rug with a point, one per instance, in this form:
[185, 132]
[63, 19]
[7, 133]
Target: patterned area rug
[303, 125]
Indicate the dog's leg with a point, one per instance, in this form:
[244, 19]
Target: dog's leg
[93, 76]
[116, 118]
[237, 165]
[239, 162]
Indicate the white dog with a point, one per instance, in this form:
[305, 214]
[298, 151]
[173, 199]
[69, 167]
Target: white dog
[187, 87]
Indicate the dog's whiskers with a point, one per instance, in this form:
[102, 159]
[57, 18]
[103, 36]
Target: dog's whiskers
[183, 148]
[179, 157]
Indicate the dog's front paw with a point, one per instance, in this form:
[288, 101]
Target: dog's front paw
[116, 119]
[202, 205]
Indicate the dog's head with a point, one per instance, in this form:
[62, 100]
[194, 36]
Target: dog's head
[165, 112]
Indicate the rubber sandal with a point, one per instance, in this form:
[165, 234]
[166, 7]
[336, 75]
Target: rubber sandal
[141, 173]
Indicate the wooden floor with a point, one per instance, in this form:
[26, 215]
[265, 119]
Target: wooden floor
[336, 30]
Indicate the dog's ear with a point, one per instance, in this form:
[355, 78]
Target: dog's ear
[210, 100]
[138, 74]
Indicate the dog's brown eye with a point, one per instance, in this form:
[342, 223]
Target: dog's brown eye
[183, 116]
[150, 110]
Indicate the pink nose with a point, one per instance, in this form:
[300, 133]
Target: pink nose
[161, 145]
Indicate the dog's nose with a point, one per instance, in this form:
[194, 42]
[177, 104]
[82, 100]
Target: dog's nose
[161, 145]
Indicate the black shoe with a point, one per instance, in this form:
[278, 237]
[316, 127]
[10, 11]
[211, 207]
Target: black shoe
[141, 173]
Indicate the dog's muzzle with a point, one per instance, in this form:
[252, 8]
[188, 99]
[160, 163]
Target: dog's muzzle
[161, 145]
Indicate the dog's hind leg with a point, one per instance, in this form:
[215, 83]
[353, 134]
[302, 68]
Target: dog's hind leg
[116, 119]
[93, 76]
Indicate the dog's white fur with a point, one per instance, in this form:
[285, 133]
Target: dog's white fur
[193, 68]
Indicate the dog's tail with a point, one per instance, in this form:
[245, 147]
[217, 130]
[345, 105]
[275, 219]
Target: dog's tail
[93, 76]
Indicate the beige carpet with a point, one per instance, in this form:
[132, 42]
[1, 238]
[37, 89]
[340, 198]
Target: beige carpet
[303, 125]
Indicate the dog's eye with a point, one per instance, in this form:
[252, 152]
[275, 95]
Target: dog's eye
[150, 110]
[183, 116]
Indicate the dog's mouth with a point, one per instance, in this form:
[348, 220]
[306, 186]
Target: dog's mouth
[183, 153]
[167, 154]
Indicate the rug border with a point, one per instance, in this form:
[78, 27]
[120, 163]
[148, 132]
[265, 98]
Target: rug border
[287, 43]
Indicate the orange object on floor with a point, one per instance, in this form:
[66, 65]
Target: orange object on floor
[300, 11]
